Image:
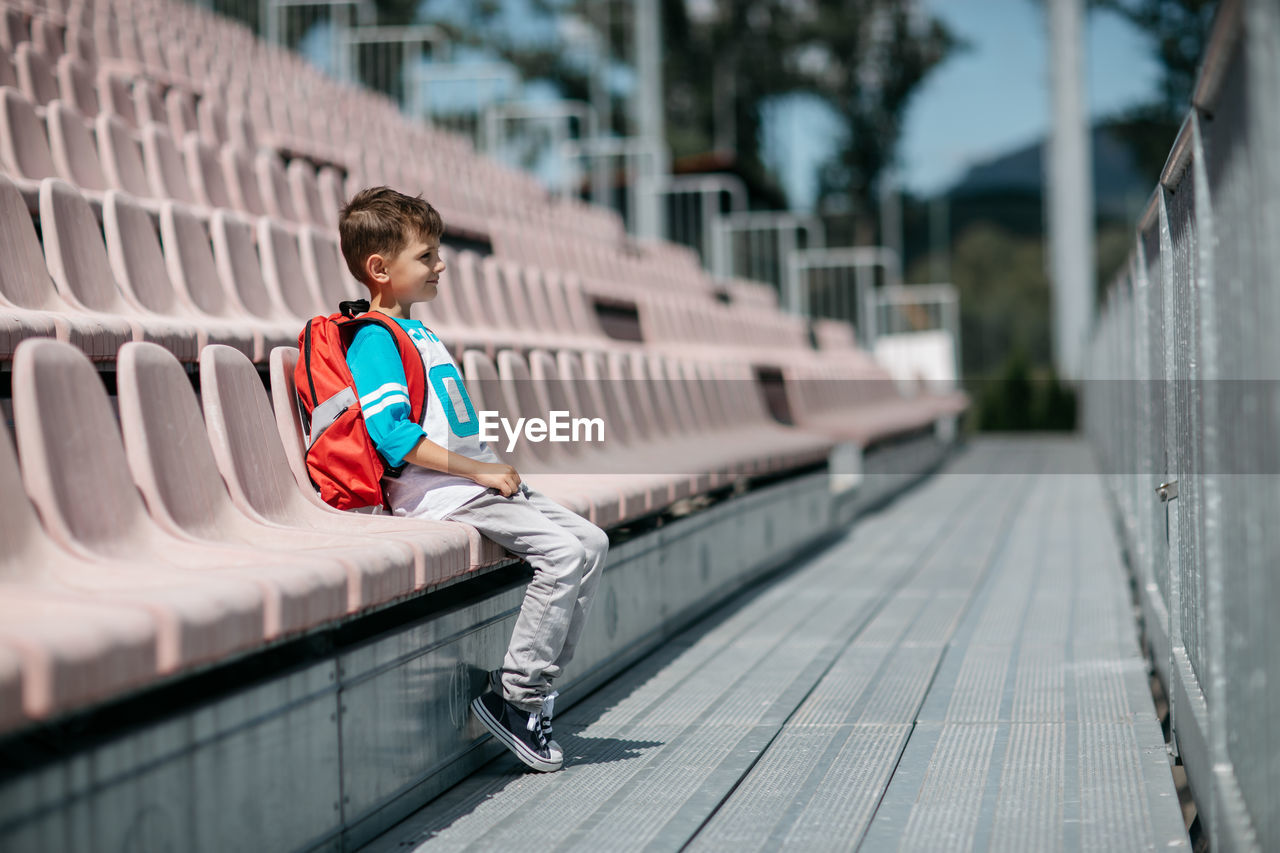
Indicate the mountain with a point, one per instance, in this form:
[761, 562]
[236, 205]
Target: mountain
[1120, 186]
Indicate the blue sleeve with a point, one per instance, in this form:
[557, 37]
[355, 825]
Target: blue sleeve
[384, 393]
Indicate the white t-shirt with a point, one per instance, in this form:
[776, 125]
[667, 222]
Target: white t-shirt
[448, 419]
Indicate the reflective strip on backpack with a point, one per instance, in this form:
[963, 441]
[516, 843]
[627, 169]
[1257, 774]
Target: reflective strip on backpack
[329, 411]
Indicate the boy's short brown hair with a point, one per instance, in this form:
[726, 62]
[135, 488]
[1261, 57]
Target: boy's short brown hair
[381, 221]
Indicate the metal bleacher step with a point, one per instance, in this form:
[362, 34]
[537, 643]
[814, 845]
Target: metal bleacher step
[959, 671]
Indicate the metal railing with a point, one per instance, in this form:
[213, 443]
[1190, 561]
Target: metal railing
[1180, 402]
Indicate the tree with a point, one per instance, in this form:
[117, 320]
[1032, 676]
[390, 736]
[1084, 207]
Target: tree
[723, 59]
[1181, 31]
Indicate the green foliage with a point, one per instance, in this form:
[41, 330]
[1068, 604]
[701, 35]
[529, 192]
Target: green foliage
[1022, 399]
[864, 58]
[1181, 30]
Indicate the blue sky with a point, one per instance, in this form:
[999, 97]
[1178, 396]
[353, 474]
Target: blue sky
[987, 100]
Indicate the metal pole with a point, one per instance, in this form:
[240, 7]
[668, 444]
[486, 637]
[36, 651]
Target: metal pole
[648, 48]
[1070, 196]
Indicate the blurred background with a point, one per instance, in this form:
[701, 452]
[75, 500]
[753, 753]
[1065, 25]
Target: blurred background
[771, 135]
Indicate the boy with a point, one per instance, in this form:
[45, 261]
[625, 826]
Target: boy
[391, 243]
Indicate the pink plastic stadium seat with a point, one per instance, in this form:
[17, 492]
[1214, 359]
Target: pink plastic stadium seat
[306, 195]
[121, 157]
[180, 109]
[74, 465]
[75, 86]
[189, 259]
[30, 305]
[242, 183]
[205, 173]
[78, 263]
[240, 270]
[24, 148]
[274, 186]
[211, 121]
[35, 74]
[246, 444]
[75, 156]
[284, 361]
[639, 491]
[283, 272]
[114, 97]
[166, 171]
[199, 616]
[137, 261]
[173, 465]
[325, 268]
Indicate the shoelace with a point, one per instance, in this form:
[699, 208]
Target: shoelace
[540, 721]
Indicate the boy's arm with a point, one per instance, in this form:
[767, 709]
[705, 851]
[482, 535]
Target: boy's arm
[428, 454]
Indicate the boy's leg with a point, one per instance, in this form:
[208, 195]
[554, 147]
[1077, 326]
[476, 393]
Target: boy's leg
[596, 543]
[558, 558]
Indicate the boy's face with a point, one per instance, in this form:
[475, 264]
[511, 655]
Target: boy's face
[413, 275]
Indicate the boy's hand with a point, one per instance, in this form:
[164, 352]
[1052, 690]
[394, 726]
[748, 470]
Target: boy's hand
[504, 478]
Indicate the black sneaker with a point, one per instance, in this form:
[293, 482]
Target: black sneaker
[548, 706]
[520, 731]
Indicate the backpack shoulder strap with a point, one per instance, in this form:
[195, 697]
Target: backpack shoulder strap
[415, 376]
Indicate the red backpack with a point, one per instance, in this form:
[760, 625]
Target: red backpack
[341, 458]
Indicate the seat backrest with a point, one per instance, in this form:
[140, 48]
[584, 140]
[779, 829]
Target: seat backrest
[114, 97]
[166, 171]
[24, 279]
[489, 299]
[73, 462]
[35, 74]
[484, 387]
[211, 119]
[613, 395]
[283, 362]
[511, 282]
[74, 251]
[586, 400]
[81, 44]
[282, 270]
[47, 37]
[121, 157]
[463, 293]
[555, 396]
[71, 143]
[240, 132]
[242, 183]
[147, 103]
[137, 261]
[653, 396]
[166, 444]
[243, 433]
[24, 148]
[324, 268]
[181, 112]
[188, 258]
[204, 173]
[239, 269]
[274, 185]
[332, 194]
[521, 400]
[306, 195]
[24, 539]
[13, 28]
[75, 85]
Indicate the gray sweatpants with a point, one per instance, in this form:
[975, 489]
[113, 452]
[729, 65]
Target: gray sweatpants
[567, 554]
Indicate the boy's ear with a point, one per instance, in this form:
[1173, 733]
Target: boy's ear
[375, 267]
